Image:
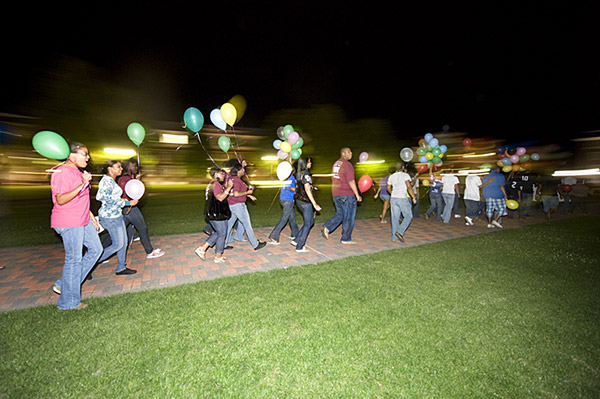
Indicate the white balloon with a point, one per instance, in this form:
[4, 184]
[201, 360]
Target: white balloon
[284, 170]
[135, 189]
[406, 154]
[217, 119]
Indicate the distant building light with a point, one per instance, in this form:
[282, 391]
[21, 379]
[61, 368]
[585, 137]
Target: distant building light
[580, 172]
[174, 138]
[119, 151]
[270, 183]
[270, 158]
[487, 154]
[371, 162]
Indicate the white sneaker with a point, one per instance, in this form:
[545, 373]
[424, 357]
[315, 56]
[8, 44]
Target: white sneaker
[490, 226]
[456, 216]
[469, 221]
[302, 250]
[56, 289]
[497, 224]
[157, 253]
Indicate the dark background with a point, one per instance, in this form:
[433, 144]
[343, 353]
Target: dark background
[514, 70]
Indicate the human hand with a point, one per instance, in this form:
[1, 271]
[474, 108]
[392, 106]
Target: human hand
[86, 177]
[358, 198]
[252, 197]
[317, 208]
[133, 202]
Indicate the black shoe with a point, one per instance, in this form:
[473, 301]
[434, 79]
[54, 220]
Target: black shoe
[260, 245]
[228, 247]
[126, 271]
[89, 277]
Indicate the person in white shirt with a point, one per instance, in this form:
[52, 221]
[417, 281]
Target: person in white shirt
[449, 194]
[399, 184]
[472, 197]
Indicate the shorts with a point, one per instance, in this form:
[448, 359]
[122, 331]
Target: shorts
[495, 204]
[549, 202]
[384, 197]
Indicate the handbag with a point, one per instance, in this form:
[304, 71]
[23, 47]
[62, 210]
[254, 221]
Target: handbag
[217, 210]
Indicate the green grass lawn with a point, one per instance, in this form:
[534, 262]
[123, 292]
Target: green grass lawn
[509, 314]
[25, 219]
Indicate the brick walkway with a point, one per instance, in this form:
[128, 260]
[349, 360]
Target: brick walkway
[30, 272]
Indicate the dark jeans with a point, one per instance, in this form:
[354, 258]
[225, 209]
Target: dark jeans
[416, 208]
[473, 208]
[525, 206]
[309, 220]
[288, 216]
[219, 236]
[345, 213]
[437, 205]
[134, 220]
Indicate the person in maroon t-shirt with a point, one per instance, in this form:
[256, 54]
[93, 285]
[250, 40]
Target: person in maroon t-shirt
[345, 196]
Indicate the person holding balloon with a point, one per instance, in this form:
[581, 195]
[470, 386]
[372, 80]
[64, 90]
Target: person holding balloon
[495, 197]
[383, 193]
[305, 201]
[72, 219]
[111, 216]
[134, 220]
[345, 196]
[286, 199]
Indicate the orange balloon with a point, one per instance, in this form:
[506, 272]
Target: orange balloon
[516, 168]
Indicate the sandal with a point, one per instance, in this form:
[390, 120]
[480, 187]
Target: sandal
[222, 259]
[200, 253]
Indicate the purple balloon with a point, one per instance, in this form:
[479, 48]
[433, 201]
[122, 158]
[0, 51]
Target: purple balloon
[363, 156]
[514, 159]
[293, 138]
[281, 154]
[521, 151]
[135, 189]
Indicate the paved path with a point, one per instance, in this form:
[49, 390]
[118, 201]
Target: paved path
[29, 272]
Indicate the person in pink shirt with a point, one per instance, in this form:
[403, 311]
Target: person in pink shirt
[72, 219]
[345, 196]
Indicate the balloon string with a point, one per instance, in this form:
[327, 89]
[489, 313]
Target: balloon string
[54, 167]
[202, 144]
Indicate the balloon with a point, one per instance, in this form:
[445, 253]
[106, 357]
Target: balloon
[524, 158]
[422, 159]
[444, 148]
[434, 142]
[516, 167]
[499, 163]
[282, 155]
[277, 144]
[506, 161]
[239, 103]
[284, 170]
[438, 165]
[441, 155]
[287, 129]
[422, 168]
[429, 164]
[51, 145]
[229, 113]
[406, 154]
[429, 156]
[521, 151]
[224, 143]
[511, 151]
[535, 156]
[217, 119]
[136, 133]
[525, 165]
[567, 188]
[425, 183]
[506, 168]
[436, 160]
[134, 189]
[467, 142]
[428, 137]
[365, 183]
[422, 143]
[298, 144]
[363, 156]
[295, 154]
[500, 149]
[436, 151]
[514, 158]
[280, 133]
[193, 119]
[285, 147]
[421, 151]
[512, 204]
[293, 137]
[486, 166]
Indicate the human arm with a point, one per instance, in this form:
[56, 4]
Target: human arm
[94, 221]
[352, 184]
[410, 190]
[223, 195]
[308, 191]
[63, 198]
[456, 190]
[377, 193]
[504, 192]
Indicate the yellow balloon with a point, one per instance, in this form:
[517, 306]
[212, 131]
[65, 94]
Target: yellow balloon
[512, 204]
[228, 113]
[507, 168]
[285, 147]
[441, 155]
[429, 156]
[425, 183]
[239, 102]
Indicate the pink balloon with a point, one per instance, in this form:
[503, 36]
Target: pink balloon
[135, 189]
[293, 138]
[281, 154]
[521, 151]
[363, 156]
[514, 158]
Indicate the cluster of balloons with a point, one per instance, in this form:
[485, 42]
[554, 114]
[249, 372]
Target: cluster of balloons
[430, 152]
[194, 121]
[515, 159]
[289, 146]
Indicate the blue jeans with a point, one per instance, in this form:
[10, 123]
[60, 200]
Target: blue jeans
[288, 215]
[77, 266]
[400, 207]
[240, 212]
[525, 205]
[309, 221]
[437, 205]
[219, 236]
[118, 236]
[345, 213]
[448, 204]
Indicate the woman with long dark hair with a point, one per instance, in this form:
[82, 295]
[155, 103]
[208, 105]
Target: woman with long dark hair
[134, 220]
[111, 216]
[305, 201]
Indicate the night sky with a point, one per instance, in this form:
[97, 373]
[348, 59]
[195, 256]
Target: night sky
[507, 70]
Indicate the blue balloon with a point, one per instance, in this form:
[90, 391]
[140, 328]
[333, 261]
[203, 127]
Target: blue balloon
[428, 137]
[535, 156]
[444, 148]
[434, 142]
[422, 159]
[277, 144]
[193, 119]
[506, 161]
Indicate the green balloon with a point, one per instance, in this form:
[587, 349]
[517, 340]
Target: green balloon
[136, 133]
[298, 144]
[436, 160]
[421, 151]
[436, 151]
[287, 129]
[50, 145]
[295, 154]
[224, 143]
